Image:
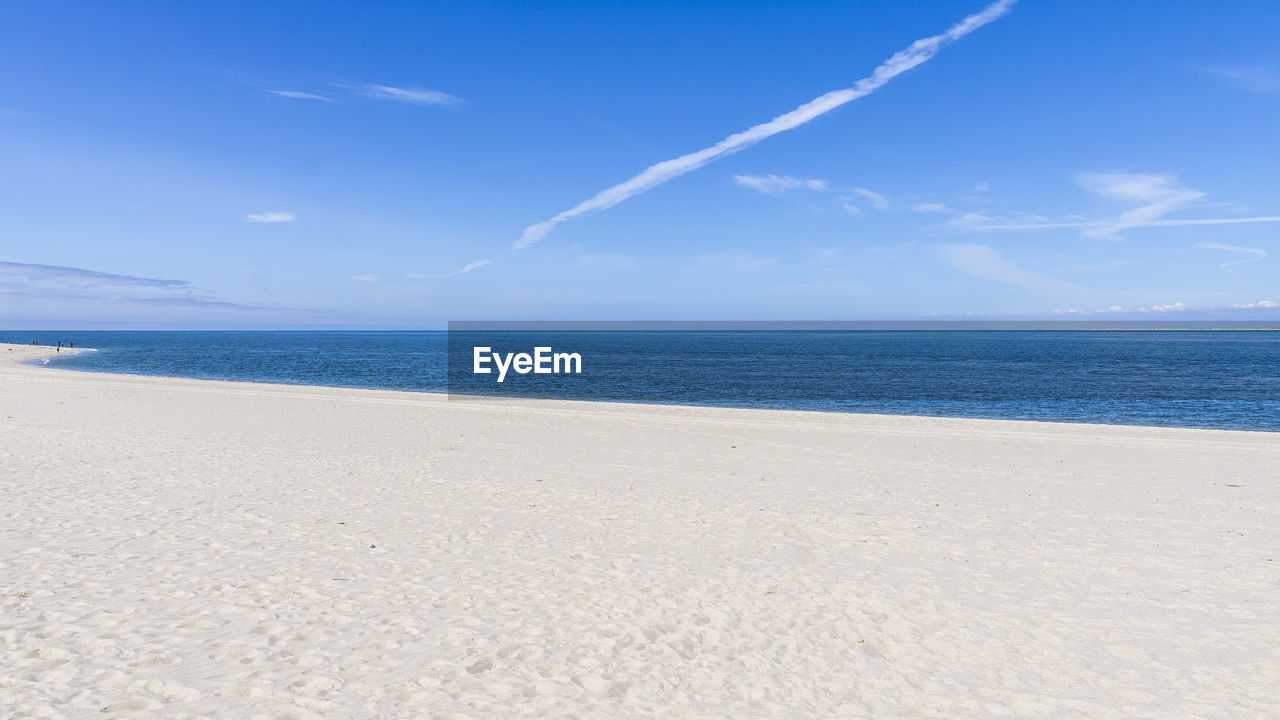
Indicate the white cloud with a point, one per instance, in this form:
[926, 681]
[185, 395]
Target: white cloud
[878, 201]
[1176, 307]
[1250, 79]
[59, 283]
[1172, 307]
[417, 96]
[1254, 254]
[366, 277]
[985, 262]
[776, 185]
[930, 207]
[296, 95]
[1156, 196]
[968, 223]
[979, 193]
[468, 268]
[270, 217]
[81, 278]
[118, 297]
[975, 221]
[917, 53]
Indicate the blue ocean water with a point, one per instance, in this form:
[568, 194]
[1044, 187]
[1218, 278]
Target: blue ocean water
[1183, 378]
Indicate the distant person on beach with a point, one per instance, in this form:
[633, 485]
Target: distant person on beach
[59, 346]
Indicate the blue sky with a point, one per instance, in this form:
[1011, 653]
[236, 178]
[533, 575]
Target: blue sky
[305, 164]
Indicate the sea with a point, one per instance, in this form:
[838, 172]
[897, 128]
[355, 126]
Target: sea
[1188, 377]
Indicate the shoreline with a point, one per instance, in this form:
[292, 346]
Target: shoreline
[208, 549]
[29, 361]
[44, 358]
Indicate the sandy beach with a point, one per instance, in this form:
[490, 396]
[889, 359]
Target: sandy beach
[176, 548]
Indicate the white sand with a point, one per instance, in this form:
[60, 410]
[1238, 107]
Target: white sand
[180, 549]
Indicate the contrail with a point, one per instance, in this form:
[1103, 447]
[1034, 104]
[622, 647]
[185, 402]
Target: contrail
[919, 52]
[1255, 254]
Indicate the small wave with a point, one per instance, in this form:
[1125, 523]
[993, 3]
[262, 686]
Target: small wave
[67, 352]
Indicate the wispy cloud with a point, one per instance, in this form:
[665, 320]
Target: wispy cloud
[778, 184]
[979, 193]
[985, 262]
[1173, 307]
[1155, 195]
[968, 224]
[415, 95]
[1254, 79]
[298, 95]
[407, 94]
[56, 283]
[849, 198]
[118, 297]
[929, 207]
[877, 200]
[366, 277]
[1253, 254]
[190, 300]
[917, 53]
[270, 217]
[468, 268]
[81, 278]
